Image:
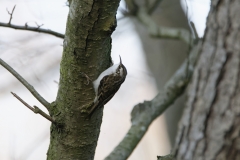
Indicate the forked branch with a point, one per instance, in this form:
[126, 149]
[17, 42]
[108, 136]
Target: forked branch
[11, 14]
[29, 28]
[26, 84]
[35, 109]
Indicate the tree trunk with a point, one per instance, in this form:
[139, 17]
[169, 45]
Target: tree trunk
[210, 125]
[87, 48]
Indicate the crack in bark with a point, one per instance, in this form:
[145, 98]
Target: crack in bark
[180, 140]
[213, 130]
[208, 115]
[192, 106]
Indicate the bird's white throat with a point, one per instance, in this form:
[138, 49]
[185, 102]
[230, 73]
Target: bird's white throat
[108, 71]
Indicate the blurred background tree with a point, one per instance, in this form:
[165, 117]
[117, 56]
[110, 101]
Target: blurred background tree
[164, 56]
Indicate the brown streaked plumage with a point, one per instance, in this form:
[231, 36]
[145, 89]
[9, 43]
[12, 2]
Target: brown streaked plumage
[108, 86]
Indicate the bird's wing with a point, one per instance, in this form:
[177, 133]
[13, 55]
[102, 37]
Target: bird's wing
[107, 88]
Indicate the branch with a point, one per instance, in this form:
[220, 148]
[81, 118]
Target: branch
[26, 84]
[35, 109]
[142, 13]
[34, 29]
[194, 30]
[29, 28]
[11, 14]
[144, 113]
[160, 31]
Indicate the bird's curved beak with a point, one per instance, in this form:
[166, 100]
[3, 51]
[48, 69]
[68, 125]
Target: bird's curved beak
[120, 60]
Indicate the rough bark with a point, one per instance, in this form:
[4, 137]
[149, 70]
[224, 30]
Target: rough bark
[210, 125]
[87, 48]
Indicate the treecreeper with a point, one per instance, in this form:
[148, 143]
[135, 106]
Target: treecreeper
[107, 84]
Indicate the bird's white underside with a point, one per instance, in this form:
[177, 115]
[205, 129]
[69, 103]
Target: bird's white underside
[108, 71]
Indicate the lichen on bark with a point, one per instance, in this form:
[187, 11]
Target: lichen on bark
[86, 50]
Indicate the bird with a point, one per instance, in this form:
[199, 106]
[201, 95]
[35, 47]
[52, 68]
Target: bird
[107, 84]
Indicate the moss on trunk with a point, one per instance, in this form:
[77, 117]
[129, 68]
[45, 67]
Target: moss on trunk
[87, 48]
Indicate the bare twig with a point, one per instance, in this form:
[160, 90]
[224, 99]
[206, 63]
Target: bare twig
[56, 82]
[144, 113]
[192, 26]
[35, 109]
[190, 39]
[194, 30]
[26, 84]
[29, 28]
[11, 14]
[38, 26]
[34, 29]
